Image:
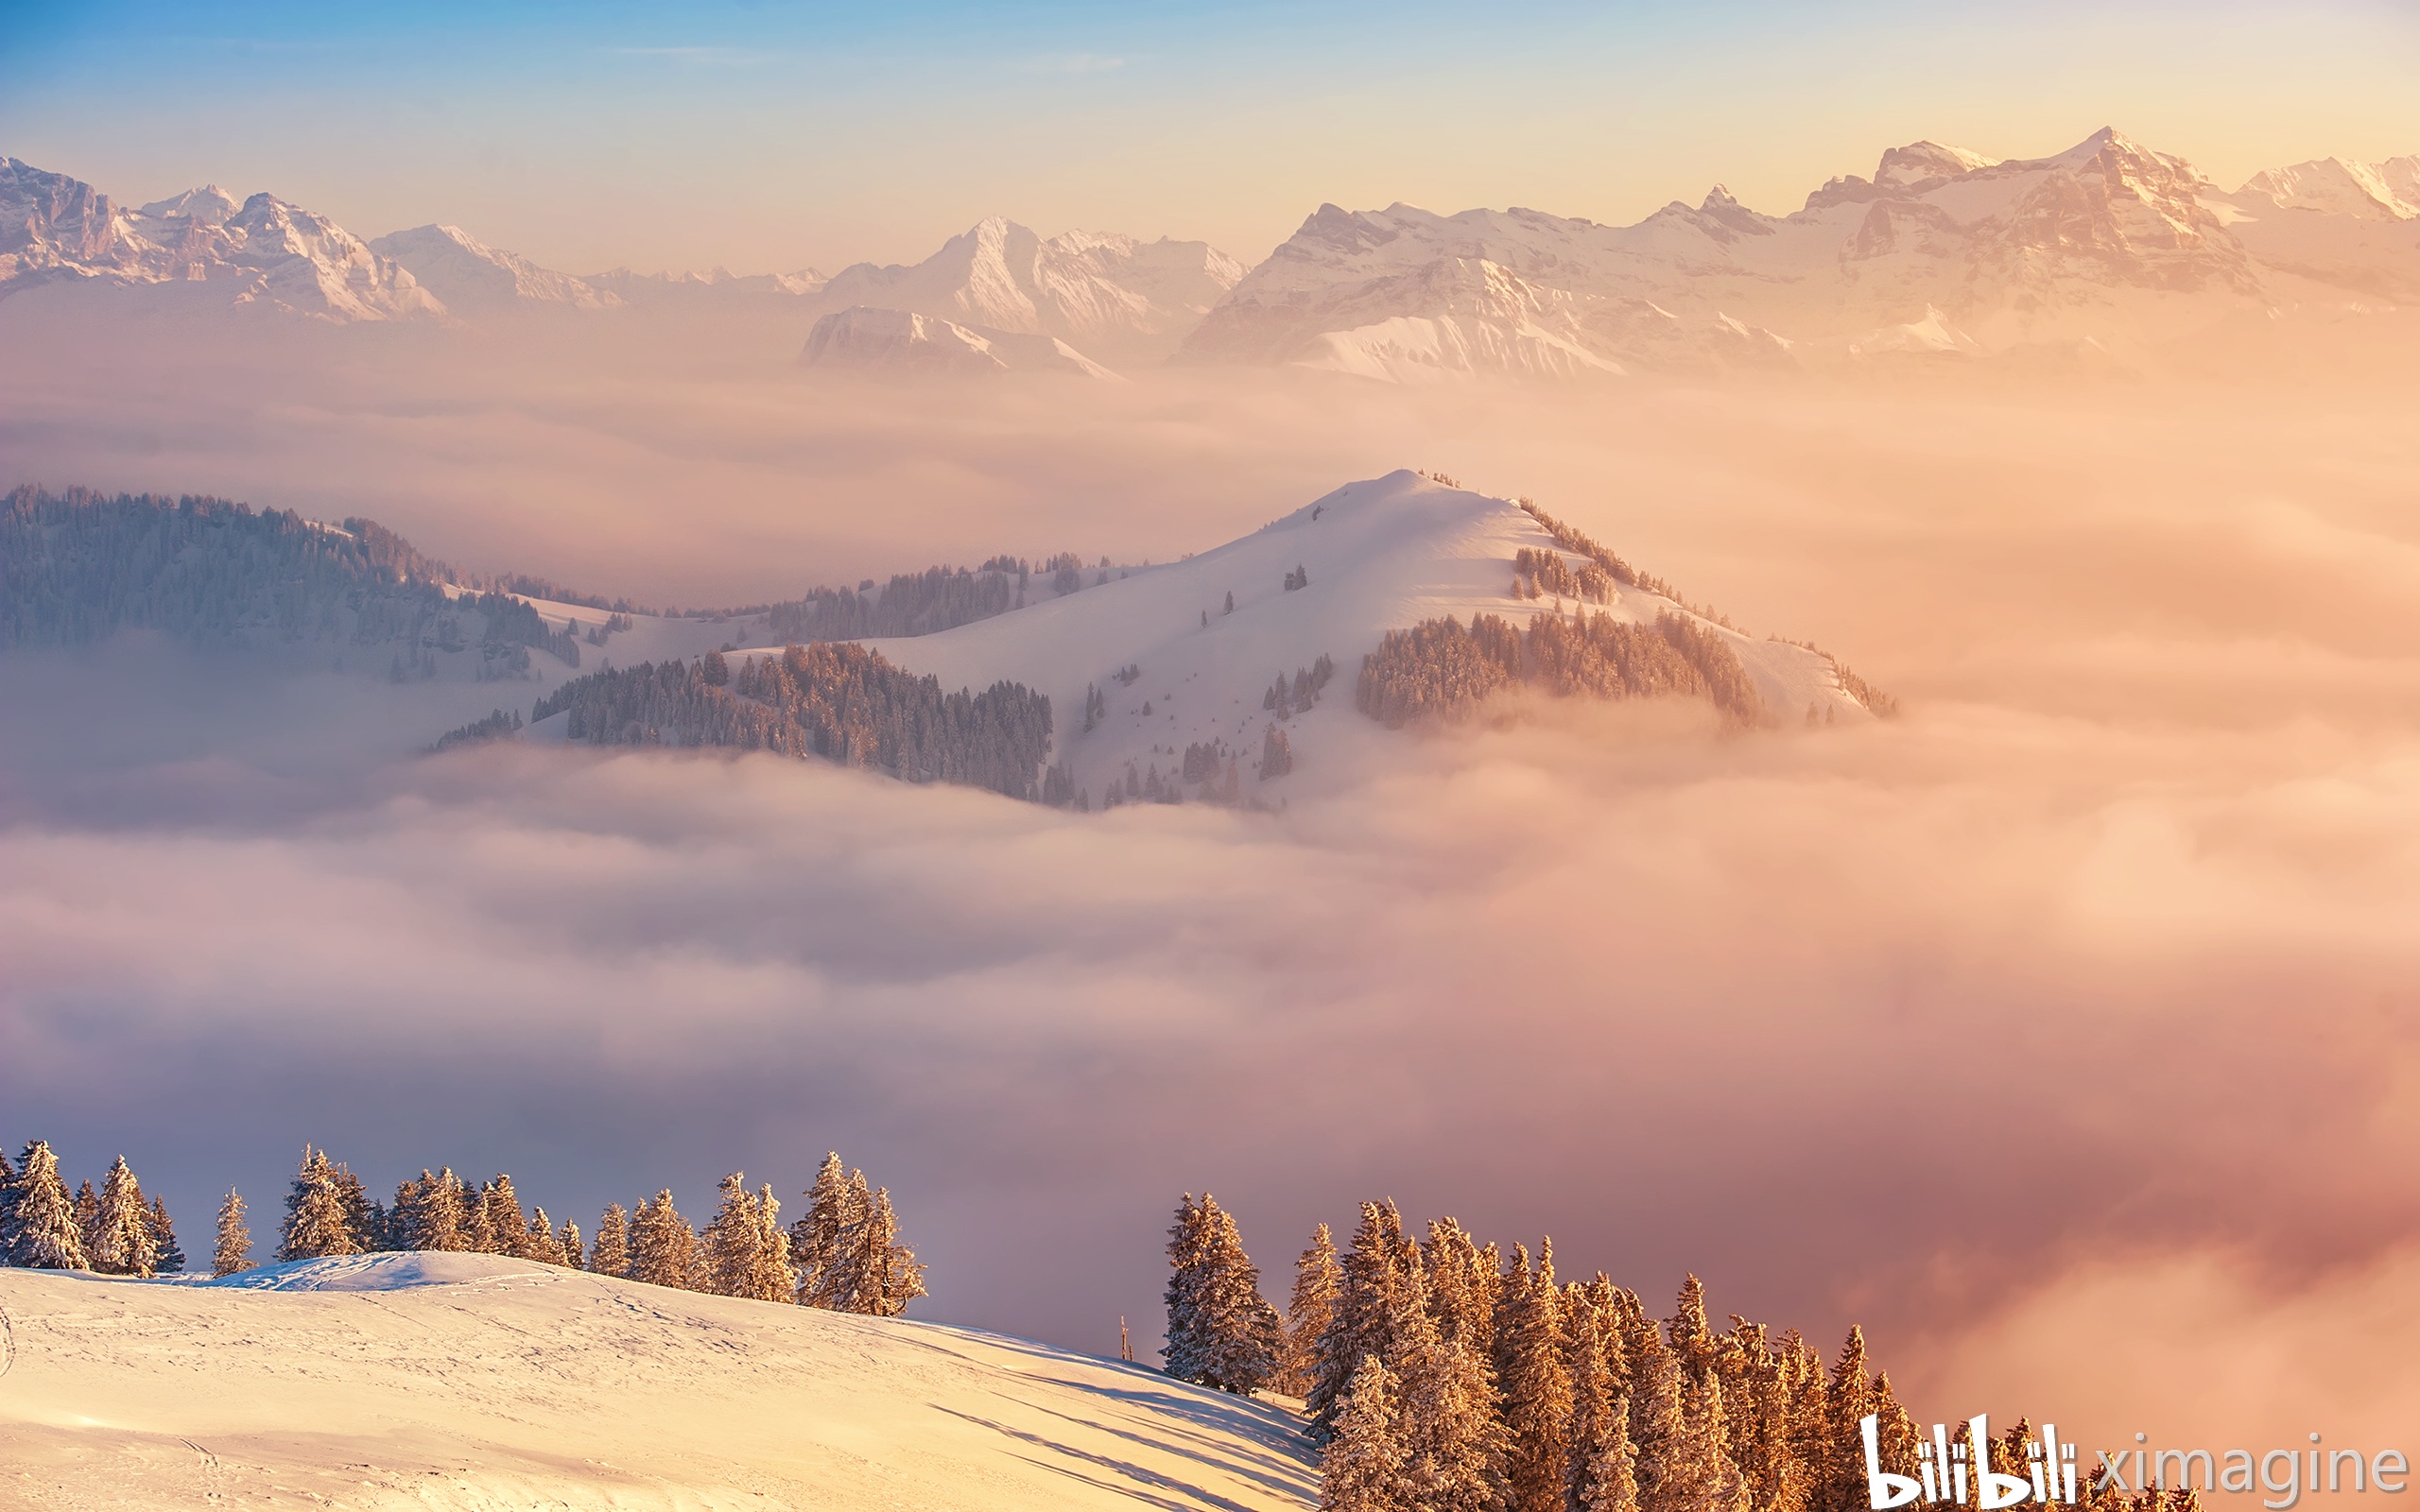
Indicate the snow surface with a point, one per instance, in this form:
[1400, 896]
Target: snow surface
[476, 1382]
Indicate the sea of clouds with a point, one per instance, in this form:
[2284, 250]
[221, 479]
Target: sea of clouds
[2062, 1031]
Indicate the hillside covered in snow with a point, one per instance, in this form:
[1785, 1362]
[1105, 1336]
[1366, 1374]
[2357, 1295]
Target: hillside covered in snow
[467, 1381]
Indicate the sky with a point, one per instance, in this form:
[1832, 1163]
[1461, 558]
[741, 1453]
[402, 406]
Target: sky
[774, 137]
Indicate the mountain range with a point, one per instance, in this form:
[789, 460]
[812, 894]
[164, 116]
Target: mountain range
[2108, 247]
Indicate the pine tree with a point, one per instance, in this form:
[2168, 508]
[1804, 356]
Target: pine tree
[662, 1245]
[120, 1241]
[1455, 1446]
[815, 1238]
[611, 1255]
[1361, 1466]
[1698, 1474]
[235, 1250]
[1655, 1425]
[7, 1202]
[1534, 1377]
[1846, 1402]
[743, 1253]
[502, 1224]
[1693, 1342]
[88, 1220]
[316, 1221]
[573, 1251]
[164, 1240]
[1604, 1463]
[1316, 1277]
[886, 1276]
[538, 1241]
[432, 1212]
[1221, 1332]
[1383, 1286]
[43, 1233]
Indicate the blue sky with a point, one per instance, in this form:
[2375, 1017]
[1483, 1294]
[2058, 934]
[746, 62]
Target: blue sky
[776, 136]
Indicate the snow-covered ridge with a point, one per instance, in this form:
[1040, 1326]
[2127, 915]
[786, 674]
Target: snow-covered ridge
[471, 276]
[1371, 556]
[476, 1380]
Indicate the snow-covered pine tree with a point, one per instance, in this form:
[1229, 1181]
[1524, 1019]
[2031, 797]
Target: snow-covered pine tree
[1465, 1283]
[1361, 1466]
[1655, 1426]
[1846, 1400]
[887, 1275]
[1309, 1312]
[120, 1242]
[1699, 1474]
[538, 1241]
[610, 1254]
[1533, 1375]
[1383, 1286]
[1455, 1445]
[1602, 1463]
[88, 1219]
[7, 1202]
[501, 1223]
[171, 1256]
[575, 1251]
[42, 1232]
[727, 1251]
[233, 1252]
[772, 1279]
[832, 1211]
[316, 1221]
[1693, 1342]
[662, 1245]
[1222, 1333]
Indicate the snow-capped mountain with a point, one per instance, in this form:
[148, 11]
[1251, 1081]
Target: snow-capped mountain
[898, 343]
[263, 252]
[479, 1381]
[1943, 248]
[2389, 190]
[1179, 667]
[1115, 297]
[473, 278]
[2340, 224]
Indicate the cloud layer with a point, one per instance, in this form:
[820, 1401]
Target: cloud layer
[2067, 1021]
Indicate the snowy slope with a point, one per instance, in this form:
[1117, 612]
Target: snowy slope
[2337, 223]
[2106, 241]
[478, 1382]
[896, 342]
[1109, 296]
[1381, 555]
[472, 277]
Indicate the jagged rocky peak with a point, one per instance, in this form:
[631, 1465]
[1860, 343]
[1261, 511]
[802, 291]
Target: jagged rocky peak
[1927, 162]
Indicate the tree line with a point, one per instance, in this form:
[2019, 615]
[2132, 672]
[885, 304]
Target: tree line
[845, 1253]
[835, 702]
[77, 566]
[1442, 667]
[1442, 1375]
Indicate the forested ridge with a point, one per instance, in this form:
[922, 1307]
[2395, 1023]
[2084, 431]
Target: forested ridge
[77, 566]
[1444, 1375]
[832, 700]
